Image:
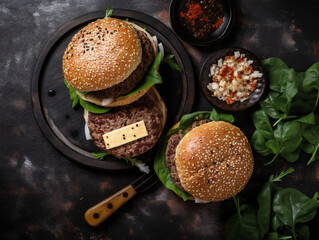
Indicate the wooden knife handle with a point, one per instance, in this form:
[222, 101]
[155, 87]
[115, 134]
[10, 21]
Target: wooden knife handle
[101, 211]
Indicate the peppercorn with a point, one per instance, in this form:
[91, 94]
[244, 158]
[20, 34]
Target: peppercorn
[201, 18]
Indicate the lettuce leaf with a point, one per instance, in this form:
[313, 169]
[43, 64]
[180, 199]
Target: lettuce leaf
[100, 155]
[91, 107]
[108, 12]
[169, 59]
[151, 78]
[164, 173]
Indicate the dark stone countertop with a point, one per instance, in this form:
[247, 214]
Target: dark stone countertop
[43, 195]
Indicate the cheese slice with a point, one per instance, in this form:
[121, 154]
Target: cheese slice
[125, 135]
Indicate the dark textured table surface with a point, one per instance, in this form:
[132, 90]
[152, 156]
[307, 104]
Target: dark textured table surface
[43, 194]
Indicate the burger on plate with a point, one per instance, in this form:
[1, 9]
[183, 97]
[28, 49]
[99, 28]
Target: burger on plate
[107, 59]
[205, 160]
[103, 65]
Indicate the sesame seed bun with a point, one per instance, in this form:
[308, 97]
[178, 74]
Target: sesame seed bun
[89, 97]
[214, 161]
[102, 54]
[148, 35]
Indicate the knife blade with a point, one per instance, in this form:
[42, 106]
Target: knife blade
[95, 215]
[145, 182]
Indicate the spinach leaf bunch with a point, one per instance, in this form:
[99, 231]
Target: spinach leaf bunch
[279, 213]
[287, 122]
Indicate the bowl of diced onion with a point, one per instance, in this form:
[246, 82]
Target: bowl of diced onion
[233, 79]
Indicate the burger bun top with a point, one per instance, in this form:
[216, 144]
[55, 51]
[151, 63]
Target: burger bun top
[102, 54]
[214, 161]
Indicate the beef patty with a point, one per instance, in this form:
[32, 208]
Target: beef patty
[172, 143]
[119, 117]
[136, 76]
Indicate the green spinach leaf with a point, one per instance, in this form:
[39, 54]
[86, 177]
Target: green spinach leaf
[303, 232]
[311, 81]
[264, 199]
[307, 147]
[258, 142]
[311, 134]
[279, 78]
[270, 105]
[288, 135]
[276, 223]
[292, 207]
[291, 156]
[284, 100]
[243, 226]
[303, 102]
[169, 59]
[272, 64]
[309, 119]
[274, 146]
[262, 124]
[287, 138]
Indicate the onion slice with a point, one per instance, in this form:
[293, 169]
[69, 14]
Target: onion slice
[86, 128]
[156, 42]
[237, 54]
[87, 132]
[211, 71]
[200, 201]
[161, 49]
[86, 115]
[143, 167]
[107, 101]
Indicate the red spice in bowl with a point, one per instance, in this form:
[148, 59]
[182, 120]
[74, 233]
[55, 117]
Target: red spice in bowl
[202, 17]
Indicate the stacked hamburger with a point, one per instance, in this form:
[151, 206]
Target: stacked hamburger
[106, 65]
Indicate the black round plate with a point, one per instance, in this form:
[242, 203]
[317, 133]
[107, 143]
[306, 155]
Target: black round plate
[64, 126]
[214, 38]
[237, 106]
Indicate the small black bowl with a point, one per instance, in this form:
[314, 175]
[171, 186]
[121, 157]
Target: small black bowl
[214, 38]
[237, 106]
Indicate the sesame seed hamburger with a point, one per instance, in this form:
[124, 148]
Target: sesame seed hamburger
[107, 59]
[210, 161]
